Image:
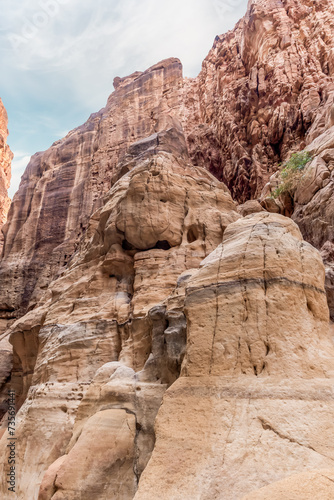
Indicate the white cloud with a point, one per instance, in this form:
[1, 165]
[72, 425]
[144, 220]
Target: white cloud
[19, 164]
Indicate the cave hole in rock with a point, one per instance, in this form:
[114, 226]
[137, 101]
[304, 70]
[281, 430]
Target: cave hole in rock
[163, 245]
[193, 234]
[127, 246]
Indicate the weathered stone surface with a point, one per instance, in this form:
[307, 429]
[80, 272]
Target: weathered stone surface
[108, 437]
[254, 402]
[6, 157]
[62, 186]
[101, 347]
[265, 90]
[250, 207]
[109, 305]
[308, 486]
[311, 205]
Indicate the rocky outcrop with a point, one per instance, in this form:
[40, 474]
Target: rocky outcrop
[311, 203]
[6, 157]
[97, 354]
[265, 90]
[168, 343]
[254, 402]
[309, 485]
[63, 186]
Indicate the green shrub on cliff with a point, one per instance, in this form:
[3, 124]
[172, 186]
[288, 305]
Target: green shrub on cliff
[291, 172]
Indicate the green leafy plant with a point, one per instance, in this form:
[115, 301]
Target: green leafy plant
[291, 172]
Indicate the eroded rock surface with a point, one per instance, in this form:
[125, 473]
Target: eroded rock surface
[265, 90]
[101, 348]
[311, 204]
[6, 157]
[254, 402]
[131, 278]
[63, 186]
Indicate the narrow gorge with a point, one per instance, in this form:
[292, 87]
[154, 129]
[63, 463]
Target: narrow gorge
[165, 318]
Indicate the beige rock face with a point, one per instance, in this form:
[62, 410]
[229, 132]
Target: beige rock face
[308, 486]
[166, 342]
[61, 187]
[311, 205]
[6, 157]
[254, 402]
[266, 89]
[101, 348]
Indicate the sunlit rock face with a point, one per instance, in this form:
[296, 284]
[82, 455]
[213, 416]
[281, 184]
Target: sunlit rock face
[254, 402]
[6, 157]
[96, 355]
[63, 186]
[265, 90]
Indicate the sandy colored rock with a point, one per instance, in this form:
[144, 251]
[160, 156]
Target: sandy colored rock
[265, 90]
[250, 207]
[165, 340]
[254, 401]
[108, 437]
[263, 269]
[102, 343]
[317, 485]
[63, 186]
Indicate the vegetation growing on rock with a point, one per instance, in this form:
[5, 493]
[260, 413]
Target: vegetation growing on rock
[291, 173]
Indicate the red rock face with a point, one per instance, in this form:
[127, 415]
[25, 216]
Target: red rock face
[5, 171]
[265, 90]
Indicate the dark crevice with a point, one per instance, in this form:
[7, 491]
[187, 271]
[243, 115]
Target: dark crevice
[127, 246]
[163, 245]
[192, 234]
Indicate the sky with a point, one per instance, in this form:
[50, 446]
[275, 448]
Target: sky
[58, 58]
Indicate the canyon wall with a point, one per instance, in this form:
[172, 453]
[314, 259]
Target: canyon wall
[6, 157]
[64, 185]
[94, 359]
[265, 90]
[166, 340]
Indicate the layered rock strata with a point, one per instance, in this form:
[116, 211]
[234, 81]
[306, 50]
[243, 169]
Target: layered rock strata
[97, 354]
[63, 186]
[108, 305]
[265, 90]
[254, 401]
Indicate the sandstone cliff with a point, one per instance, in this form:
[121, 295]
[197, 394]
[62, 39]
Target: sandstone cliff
[266, 89]
[6, 157]
[61, 187]
[95, 358]
[254, 398]
[311, 203]
[167, 342]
